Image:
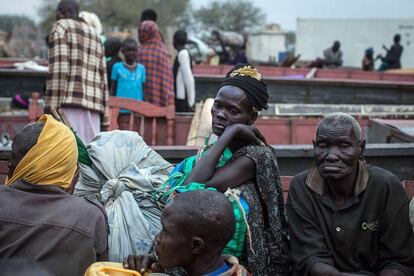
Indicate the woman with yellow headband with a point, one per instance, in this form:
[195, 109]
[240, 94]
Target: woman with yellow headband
[39, 220]
[242, 166]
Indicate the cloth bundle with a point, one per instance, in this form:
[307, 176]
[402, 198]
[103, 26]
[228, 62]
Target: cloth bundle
[124, 174]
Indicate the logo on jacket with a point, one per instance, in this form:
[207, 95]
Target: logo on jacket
[370, 226]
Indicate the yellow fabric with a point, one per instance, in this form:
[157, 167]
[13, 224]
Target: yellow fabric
[247, 71]
[401, 71]
[109, 269]
[53, 160]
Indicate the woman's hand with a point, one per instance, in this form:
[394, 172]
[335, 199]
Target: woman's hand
[142, 263]
[247, 133]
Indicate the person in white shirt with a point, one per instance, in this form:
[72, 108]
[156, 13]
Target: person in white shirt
[184, 85]
[333, 56]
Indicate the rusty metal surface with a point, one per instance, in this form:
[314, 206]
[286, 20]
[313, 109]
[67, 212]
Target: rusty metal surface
[292, 159]
[406, 125]
[282, 90]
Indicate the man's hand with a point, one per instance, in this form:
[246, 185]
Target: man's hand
[141, 263]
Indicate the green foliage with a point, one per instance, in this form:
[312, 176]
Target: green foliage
[120, 13]
[47, 12]
[7, 22]
[231, 15]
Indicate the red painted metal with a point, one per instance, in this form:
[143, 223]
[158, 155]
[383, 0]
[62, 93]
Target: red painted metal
[285, 181]
[276, 130]
[332, 74]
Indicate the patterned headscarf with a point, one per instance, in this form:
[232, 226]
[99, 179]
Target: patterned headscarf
[148, 30]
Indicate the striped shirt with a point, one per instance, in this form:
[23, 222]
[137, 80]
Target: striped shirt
[77, 69]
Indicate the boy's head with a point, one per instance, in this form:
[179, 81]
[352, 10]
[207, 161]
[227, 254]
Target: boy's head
[397, 38]
[196, 225]
[180, 39]
[129, 50]
[336, 46]
[67, 9]
[112, 46]
[149, 14]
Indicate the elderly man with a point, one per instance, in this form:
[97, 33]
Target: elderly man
[77, 72]
[39, 221]
[345, 217]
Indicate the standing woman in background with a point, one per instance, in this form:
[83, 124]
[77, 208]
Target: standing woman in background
[183, 76]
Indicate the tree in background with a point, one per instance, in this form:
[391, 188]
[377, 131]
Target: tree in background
[120, 14]
[20, 37]
[8, 22]
[232, 15]
[47, 12]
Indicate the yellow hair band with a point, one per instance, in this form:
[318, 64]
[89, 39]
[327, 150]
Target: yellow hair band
[247, 71]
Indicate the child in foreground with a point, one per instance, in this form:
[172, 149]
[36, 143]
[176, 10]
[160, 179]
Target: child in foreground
[196, 227]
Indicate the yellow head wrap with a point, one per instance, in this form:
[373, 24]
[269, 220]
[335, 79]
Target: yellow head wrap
[53, 160]
[111, 269]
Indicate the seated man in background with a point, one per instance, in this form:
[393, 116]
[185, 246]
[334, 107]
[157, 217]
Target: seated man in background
[196, 227]
[345, 217]
[39, 220]
[332, 56]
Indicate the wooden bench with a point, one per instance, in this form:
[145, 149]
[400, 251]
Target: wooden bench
[140, 114]
[143, 111]
[4, 169]
[285, 180]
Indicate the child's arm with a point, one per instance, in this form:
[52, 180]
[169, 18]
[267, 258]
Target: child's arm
[114, 80]
[113, 87]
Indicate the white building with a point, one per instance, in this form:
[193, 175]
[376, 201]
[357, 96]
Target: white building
[266, 45]
[355, 35]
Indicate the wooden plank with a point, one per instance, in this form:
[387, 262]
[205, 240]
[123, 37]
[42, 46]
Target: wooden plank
[139, 107]
[192, 134]
[200, 129]
[4, 169]
[204, 128]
